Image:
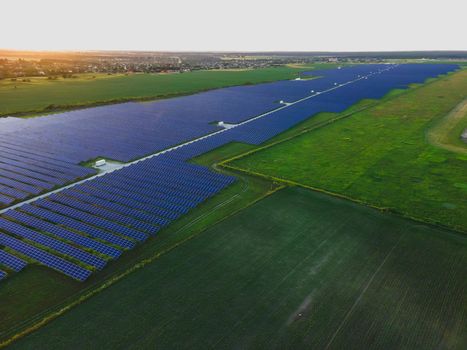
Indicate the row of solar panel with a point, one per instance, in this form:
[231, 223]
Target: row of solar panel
[12, 262]
[70, 227]
[26, 173]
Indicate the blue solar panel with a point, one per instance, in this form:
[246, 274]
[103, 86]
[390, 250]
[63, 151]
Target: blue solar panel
[19, 185]
[12, 192]
[143, 195]
[25, 179]
[6, 199]
[49, 242]
[41, 168]
[93, 220]
[45, 258]
[79, 226]
[31, 174]
[136, 208]
[3, 274]
[43, 162]
[104, 213]
[11, 261]
[63, 233]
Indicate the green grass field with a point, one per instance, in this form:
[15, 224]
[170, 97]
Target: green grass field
[297, 270]
[381, 156]
[42, 95]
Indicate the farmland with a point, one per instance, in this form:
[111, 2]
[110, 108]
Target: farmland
[381, 156]
[267, 246]
[284, 273]
[42, 95]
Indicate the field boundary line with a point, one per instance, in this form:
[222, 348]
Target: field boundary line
[139, 265]
[419, 220]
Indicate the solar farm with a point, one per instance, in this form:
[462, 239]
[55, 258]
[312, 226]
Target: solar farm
[162, 187]
[60, 213]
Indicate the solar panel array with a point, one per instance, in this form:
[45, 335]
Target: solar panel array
[12, 262]
[80, 229]
[26, 172]
[95, 221]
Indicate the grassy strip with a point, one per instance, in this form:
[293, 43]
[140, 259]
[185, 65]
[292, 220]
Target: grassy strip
[287, 182]
[446, 132]
[282, 139]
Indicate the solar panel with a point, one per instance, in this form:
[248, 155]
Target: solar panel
[51, 243]
[6, 199]
[63, 233]
[13, 192]
[79, 226]
[32, 174]
[88, 218]
[128, 205]
[12, 261]
[25, 179]
[45, 258]
[104, 213]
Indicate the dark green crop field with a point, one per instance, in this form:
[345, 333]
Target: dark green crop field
[297, 270]
[381, 156]
[42, 95]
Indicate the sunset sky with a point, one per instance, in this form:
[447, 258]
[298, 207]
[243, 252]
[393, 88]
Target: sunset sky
[241, 25]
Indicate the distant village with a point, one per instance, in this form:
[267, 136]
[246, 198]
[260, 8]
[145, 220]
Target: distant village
[53, 65]
[68, 65]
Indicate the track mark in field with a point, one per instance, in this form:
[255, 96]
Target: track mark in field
[360, 296]
[302, 310]
[441, 134]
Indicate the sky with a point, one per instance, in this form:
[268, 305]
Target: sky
[239, 25]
